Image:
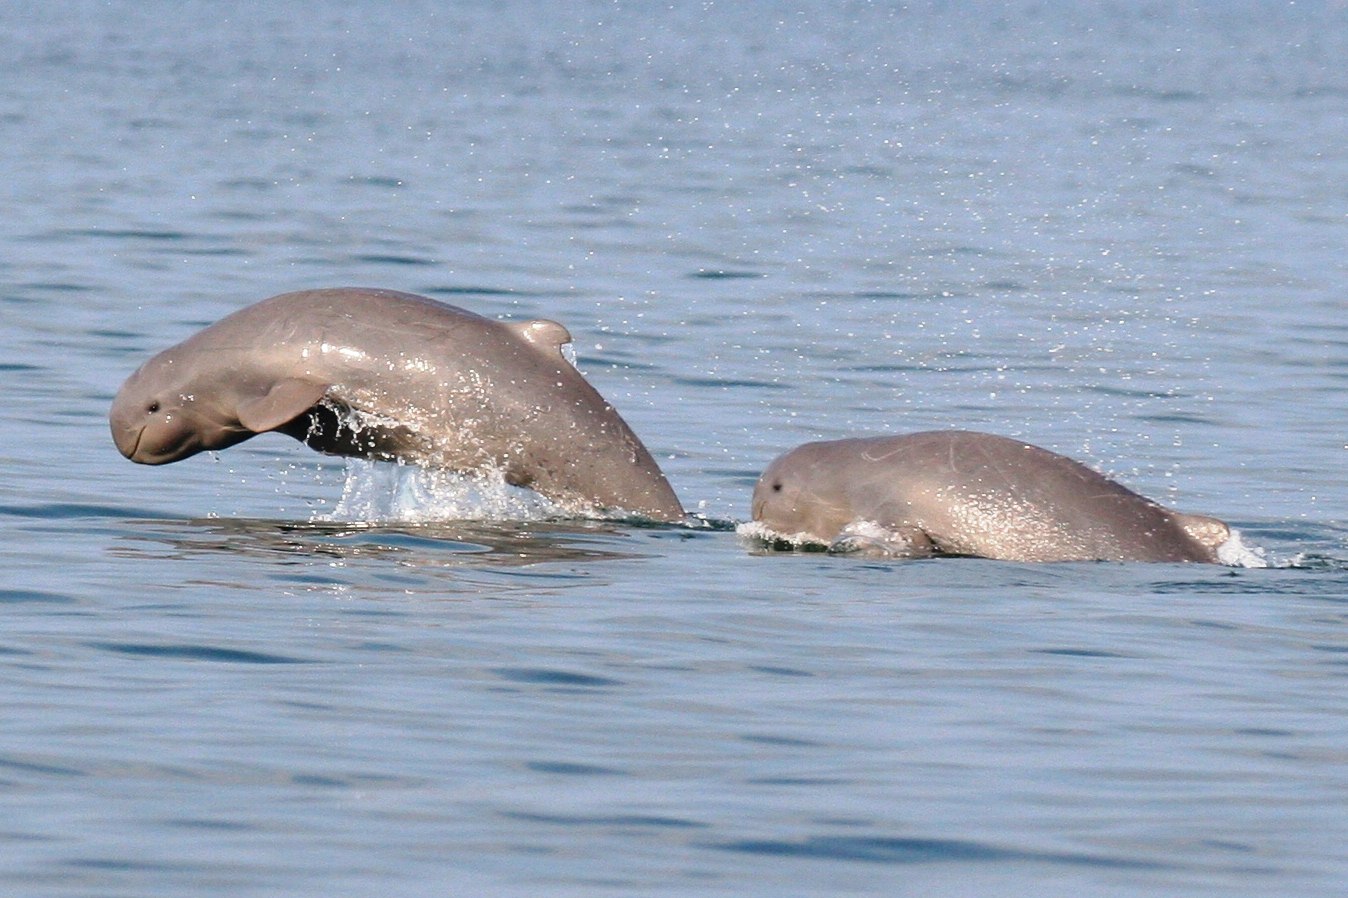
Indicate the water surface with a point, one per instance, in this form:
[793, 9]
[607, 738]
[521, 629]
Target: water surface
[1116, 233]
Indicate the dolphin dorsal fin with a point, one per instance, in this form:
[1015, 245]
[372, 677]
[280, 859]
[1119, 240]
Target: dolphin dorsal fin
[1205, 530]
[542, 332]
[286, 400]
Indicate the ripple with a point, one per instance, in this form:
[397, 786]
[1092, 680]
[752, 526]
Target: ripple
[567, 768]
[23, 596]
[381, 181]
[552, 677]
[1080, 653]
[722, 274]
[394, 259]
[71, 510]
[897, 850]
[194, 653]
[471, 290]
[726, 382]
[165, 236]
[23, 766]
[609, 820]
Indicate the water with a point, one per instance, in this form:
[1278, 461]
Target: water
[1117, 233]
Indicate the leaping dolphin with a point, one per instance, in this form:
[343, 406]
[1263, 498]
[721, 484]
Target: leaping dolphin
[388, 375]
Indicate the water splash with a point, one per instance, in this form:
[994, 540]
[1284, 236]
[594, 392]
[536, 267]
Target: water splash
[383, 492]
[1234, 553]
[760, 536]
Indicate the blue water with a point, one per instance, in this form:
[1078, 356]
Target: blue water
[1119, 233]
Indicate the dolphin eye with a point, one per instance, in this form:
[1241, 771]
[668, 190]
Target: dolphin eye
[777, 487]
[153, 407]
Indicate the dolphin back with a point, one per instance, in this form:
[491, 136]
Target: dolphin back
[1209, 533]
[480, 392]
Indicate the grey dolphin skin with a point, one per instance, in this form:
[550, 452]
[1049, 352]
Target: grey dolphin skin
[963, 493]
[387, 375]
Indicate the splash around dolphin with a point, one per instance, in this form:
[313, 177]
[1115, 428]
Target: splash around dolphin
[394, 376]
[965, 493]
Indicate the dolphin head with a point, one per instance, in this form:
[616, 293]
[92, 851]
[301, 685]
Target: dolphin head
[797, 495]
[162, 414]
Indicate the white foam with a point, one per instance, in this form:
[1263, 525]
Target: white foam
[1234, 553]
[758, 532]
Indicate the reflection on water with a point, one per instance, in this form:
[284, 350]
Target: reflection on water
[483, 543]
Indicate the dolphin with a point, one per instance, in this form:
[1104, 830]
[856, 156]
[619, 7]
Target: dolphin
[394, 376]
[964, 493]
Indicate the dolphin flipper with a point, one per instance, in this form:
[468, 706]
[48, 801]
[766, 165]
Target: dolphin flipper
[285, 401]
[871, 539]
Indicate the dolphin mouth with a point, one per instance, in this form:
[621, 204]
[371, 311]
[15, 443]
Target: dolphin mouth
[142, 454]
[128, 441]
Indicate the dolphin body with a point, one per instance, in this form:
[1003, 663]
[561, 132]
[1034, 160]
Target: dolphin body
[386, 375]
[964, 493]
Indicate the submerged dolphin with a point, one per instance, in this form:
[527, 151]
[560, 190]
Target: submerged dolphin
[963, 493]
[387, 375]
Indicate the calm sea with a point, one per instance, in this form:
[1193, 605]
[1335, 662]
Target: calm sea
[1116, 230]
